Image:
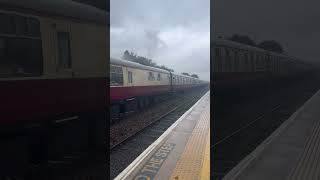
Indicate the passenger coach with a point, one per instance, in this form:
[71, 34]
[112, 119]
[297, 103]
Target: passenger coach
[236, 63]
[52, 69]
[134, 86]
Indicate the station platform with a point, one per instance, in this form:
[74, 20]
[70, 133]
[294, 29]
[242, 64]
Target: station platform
[291, 152]
[181, 152]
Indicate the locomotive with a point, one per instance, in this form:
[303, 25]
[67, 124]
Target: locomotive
[133, 86]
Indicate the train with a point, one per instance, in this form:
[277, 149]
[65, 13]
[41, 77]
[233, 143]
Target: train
[234, 64]
[52, 72]
[134, 86]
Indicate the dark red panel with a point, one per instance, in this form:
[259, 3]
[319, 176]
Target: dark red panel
[23, 100]
[119, 93]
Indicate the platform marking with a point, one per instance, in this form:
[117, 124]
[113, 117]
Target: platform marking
[126, 173]
[194, 162]
[153, 165]
[205, 170]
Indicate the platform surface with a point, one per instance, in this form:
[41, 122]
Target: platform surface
[291, 152]
[181, 152]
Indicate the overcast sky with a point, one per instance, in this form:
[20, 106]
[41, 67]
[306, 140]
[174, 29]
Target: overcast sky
[294, 23]
[174, 33]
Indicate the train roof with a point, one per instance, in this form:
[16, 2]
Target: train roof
[225, 42]
[60, 8]
[135, 65]
[178, 74]
[122, 62]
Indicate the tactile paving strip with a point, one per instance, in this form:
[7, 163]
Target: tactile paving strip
[309, 162]
[205, 172]
[195, 155]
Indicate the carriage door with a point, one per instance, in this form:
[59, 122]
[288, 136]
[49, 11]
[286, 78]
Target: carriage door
[62, 44]
[130, 77]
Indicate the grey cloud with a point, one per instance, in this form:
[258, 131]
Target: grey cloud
[294, 23]
[173, 33]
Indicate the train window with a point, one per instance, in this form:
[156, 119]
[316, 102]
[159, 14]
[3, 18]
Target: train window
[7, 25]
[33, 27]
[20, 57]
[217, 51]
[116, 76]
[21, 25]
[151, 76]
[159, 77]
[130, 77]
[64, 50]
[227, 52]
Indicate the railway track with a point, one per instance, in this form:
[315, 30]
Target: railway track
[249, 122]
[124, 152]
[243, 134]
[88, 166]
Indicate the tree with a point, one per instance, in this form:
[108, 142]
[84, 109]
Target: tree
[271, 45]
[184, 73]
[130, 56]
[126, 55]
[242, 39]
[195, 76]
[165, 68]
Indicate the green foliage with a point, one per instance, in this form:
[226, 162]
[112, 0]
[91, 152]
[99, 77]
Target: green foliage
[130, 56]
[195, 76]
[242, 39]
[271, 45]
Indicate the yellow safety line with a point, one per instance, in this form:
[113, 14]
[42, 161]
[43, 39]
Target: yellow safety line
[194, 162]
[205, 173]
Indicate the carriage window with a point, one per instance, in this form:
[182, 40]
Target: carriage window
[129, 77]
[227, 52]
[20, 55]
[33, 27]
[151, 77]
[159, 77]
[64, 50]
[116, 76]
[21, 25]
[217, 52]
[7, 25]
